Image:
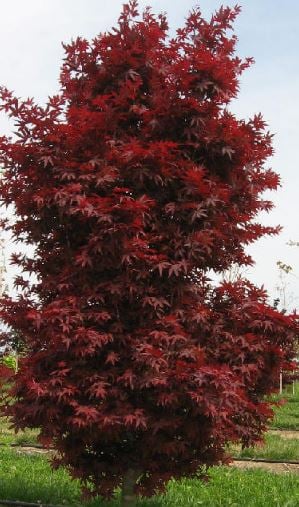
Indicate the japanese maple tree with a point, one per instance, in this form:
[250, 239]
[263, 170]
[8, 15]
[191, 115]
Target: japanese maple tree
[133, 183]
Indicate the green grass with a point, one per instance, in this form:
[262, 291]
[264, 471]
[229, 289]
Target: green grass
[286, 418]
[232, 487]
[287, 415]
[29, 478]
[274, 448]
[8, 435]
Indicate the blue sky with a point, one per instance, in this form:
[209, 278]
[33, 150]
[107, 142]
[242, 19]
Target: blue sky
[30, 39]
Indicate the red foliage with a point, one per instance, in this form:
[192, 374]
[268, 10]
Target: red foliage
[133, 183]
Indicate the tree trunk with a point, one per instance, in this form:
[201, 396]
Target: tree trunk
[17, 363]
[128, 497]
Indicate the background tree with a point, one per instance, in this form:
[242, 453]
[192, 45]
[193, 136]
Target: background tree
[285, 298]
[133, 183]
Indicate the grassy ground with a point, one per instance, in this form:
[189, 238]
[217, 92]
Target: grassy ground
[8, 435]
[287, 415]
[274, 448]
[231, 487]
[286, 418]
[29, 478]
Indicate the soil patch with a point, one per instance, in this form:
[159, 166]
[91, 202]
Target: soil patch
[292, 434]
[271, 467]
[31, 450]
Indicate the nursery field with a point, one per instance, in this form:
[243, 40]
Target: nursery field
[30, 479]
[25, 473]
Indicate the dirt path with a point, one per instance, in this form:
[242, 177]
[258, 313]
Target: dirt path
[266, 465]
[271, 467]
[30, 450]
[285, 433]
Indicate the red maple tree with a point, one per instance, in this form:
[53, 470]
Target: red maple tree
[133, 183]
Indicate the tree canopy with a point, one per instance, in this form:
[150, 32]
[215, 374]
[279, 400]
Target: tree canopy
[133, 183]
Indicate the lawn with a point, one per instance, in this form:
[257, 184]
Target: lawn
[286, 418]
[287, 415]
[274, 448]
[29, 478]
[8, 435]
